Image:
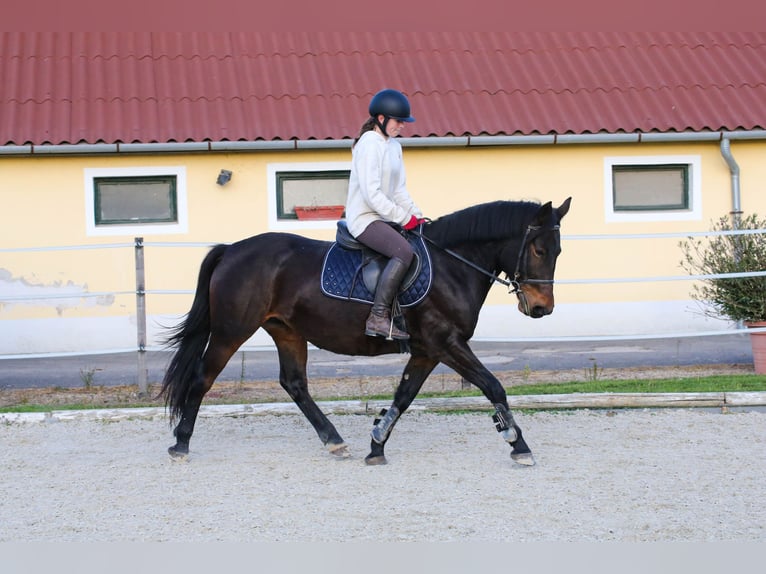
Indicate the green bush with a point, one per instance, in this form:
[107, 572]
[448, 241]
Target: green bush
[738, 298]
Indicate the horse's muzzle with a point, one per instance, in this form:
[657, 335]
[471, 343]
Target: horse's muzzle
[539, 311]
[536, 304]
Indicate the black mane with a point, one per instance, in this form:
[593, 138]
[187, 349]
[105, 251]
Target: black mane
[484, 222]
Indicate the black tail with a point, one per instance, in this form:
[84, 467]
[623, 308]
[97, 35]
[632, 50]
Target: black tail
[191, 338]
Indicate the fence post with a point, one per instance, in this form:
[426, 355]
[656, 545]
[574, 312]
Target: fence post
[143, 374]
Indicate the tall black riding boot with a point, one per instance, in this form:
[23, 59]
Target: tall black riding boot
[379, 322]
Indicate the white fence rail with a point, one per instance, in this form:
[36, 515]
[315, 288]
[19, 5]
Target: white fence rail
[138, 246]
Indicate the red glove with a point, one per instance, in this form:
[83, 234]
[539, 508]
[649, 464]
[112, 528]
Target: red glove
[413, 223]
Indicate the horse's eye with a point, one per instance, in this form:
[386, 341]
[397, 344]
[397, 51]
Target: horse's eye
[538, 251]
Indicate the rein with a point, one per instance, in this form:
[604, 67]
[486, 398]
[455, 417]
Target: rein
[514, 285]
[462, 259]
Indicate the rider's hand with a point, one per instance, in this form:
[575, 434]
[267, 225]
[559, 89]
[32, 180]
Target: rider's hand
[413, 223]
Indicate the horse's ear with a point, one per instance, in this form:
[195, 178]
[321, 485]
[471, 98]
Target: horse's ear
[542, 215]
[564, 207]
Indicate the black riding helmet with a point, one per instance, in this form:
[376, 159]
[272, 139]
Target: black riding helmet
[391, 104]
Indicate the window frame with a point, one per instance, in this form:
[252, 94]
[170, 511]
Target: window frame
[277, 221]
[94, 229]
[693, 212]
[97, 200]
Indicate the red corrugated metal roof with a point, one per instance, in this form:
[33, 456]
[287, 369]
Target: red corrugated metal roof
[175, 87]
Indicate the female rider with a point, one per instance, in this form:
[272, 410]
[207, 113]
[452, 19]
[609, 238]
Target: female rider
[377, 196]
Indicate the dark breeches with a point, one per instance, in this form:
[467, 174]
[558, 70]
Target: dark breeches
[384, 239]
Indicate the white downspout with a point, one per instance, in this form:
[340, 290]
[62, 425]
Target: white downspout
[736, 207]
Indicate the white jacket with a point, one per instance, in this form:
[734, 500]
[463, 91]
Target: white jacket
[377, 188]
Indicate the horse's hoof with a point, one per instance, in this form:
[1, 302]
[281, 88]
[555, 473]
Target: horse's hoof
[339, 450]
[375, 460]
[523, 458]
[178, 454]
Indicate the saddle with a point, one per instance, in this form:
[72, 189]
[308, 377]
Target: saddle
[351, 270]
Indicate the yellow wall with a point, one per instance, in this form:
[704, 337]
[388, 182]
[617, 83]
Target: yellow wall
[43, 202]
[457, 178]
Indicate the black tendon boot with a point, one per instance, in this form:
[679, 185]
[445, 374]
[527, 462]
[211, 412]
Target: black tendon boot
[379, 322]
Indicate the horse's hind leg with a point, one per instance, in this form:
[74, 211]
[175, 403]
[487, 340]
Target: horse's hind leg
[293, 354]
[213, 362]
[415, 373]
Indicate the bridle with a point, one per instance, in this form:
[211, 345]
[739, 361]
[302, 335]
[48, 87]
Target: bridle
[514, 285]
[517, 281]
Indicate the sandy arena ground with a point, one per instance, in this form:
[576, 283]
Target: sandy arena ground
[624, 475]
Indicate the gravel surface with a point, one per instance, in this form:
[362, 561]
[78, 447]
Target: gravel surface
[626, 475]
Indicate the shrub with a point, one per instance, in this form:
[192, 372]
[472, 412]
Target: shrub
[738, 298]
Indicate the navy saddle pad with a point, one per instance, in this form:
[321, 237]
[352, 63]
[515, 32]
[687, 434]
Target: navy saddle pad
[352, 273]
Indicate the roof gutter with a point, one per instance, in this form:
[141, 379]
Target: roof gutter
[452, 141]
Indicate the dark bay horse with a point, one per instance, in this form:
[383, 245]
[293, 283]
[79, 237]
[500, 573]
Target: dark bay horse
[272, 281]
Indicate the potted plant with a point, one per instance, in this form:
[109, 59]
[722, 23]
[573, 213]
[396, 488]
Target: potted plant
[740, 299]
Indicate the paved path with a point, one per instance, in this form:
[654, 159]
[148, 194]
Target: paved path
[262, 365]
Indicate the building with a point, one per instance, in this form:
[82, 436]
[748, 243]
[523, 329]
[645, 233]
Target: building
[105, 137]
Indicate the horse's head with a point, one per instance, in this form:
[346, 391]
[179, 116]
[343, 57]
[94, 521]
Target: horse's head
[532, 280]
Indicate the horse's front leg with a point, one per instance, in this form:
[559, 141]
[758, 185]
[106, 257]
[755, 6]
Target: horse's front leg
[415, 373]
[468, 366]
[511, 433]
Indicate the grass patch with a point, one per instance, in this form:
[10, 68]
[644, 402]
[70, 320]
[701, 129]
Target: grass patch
[711, 384]
[707, 384]
[33, 408]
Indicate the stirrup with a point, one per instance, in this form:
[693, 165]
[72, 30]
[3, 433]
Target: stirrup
[391, 333]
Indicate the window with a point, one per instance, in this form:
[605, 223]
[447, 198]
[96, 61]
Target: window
[652, 188]
[299, 194]
[310, 189]
[135, 201]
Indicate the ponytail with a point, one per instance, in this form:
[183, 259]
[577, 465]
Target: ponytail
[367, 126]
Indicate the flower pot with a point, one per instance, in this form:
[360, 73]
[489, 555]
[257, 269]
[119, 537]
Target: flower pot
[758, 343]
[319, 211]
